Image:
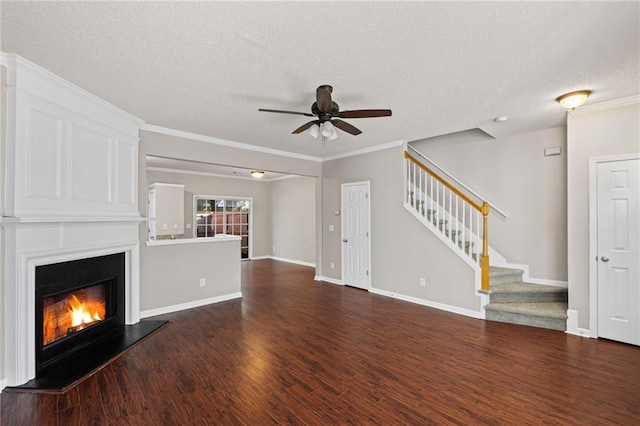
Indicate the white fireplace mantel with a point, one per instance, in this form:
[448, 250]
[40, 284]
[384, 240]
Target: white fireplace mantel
[70, 186]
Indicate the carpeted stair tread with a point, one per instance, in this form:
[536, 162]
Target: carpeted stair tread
[546, 310]
[496, 271]
[523, 287]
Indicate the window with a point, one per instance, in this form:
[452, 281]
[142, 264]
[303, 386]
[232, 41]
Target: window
[224, 216]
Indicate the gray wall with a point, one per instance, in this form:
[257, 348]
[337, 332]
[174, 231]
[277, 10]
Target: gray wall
[210, 185]
[513, 173]
[293, 218]
[170, 275]
[403, 250]
[591, 134]
[180, 283]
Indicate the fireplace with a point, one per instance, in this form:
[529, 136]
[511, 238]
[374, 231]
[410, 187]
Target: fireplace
[78, 304]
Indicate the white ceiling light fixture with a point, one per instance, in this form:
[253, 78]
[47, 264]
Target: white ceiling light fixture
[573, 100]
[325, 130]
[258, 174]
[314, 130]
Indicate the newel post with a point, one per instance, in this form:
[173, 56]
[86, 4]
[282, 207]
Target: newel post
[484, 261]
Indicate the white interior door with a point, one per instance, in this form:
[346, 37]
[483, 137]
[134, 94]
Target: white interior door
[618, 221]
[355, 234]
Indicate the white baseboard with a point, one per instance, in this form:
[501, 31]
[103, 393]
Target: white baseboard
[429, 303]
[572, 325]
[328, 280]
[189, 305]
[3, 384]
[282, 259]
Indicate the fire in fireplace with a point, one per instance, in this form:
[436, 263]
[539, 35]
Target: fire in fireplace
[72, 311]
[78, 303]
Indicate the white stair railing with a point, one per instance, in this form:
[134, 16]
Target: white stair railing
[448, 211]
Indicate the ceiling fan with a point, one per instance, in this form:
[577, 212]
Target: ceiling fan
[326, 110]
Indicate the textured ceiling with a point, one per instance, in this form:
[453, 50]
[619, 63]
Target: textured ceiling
[442, 67]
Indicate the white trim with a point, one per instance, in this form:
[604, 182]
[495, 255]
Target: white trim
[282, 259]
[260, 257]
[342, 252]
[189, 305]
[374, 148]
[429, 303]
[218, 175]
[217, 239]
[328, 280]
[209, 139]
[572, 325]
[593, 234]
[3, 384]
[297, 262]
[602, 106]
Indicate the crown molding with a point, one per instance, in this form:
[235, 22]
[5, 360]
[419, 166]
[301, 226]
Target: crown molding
[217, 141]
[602, 106]
[368, 150]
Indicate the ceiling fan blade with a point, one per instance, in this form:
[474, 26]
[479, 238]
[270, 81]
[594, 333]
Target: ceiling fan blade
[308, 114]
[323, 98]
[304, 127]
[365, 113]
[343, 125]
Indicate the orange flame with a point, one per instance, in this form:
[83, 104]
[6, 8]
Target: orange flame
[70, 315]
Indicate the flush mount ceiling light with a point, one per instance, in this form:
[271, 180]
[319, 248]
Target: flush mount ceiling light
[573, 100]
[257, 173]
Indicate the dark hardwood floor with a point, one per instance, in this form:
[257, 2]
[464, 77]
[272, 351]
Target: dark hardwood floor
[295, 351]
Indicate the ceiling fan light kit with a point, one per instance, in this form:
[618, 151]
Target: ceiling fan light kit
[328, 116]
[258, 174]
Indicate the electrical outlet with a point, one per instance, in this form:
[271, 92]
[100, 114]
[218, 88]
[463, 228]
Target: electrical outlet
[423, 282]
[274, 249]
[202, 282]
[188, 226]
[333, 266]
[331, 228]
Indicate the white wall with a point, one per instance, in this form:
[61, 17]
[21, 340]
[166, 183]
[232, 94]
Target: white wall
[513, 174]
[293, 219]
[596, 131]
[403, 250]
[3, 117]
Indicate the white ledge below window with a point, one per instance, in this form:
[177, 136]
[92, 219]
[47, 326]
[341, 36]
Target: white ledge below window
[216, 239]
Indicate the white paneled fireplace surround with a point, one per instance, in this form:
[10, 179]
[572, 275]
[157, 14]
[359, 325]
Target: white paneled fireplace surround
[70, 191]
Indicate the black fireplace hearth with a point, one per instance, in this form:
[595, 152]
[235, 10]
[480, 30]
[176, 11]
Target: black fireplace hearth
[80, 319]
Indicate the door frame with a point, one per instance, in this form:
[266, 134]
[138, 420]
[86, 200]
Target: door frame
[593, 234]
[342, 251]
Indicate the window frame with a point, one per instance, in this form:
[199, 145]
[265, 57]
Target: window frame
[226, 198]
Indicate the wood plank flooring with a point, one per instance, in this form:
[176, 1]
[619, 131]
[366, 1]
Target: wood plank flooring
[296, 351]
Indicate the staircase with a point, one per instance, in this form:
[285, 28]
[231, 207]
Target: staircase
[461, 223]
[517, 302]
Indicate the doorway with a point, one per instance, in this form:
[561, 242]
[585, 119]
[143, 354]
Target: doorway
[615, 190]
[356, 228]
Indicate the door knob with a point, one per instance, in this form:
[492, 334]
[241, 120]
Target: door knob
[604, 259]
[345, 241]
